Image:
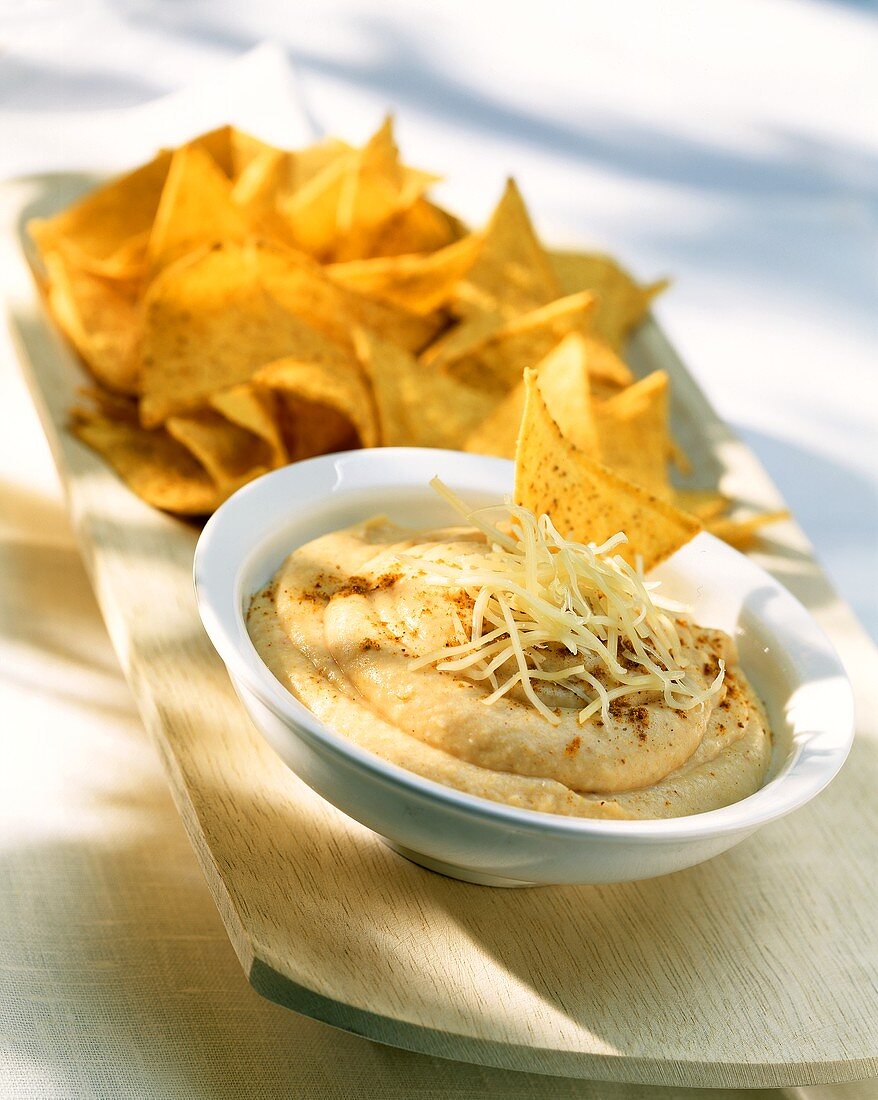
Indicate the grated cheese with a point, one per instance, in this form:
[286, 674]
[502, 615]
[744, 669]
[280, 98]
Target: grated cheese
[533, 588]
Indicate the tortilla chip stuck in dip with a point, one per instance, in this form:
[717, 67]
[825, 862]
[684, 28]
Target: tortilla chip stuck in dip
[507, 661]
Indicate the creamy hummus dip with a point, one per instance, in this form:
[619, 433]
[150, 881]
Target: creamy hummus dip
[345, 619]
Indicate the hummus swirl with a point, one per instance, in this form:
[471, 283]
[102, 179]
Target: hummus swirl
[346, 615]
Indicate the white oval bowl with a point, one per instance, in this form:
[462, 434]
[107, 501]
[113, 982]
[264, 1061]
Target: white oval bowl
[787, 657]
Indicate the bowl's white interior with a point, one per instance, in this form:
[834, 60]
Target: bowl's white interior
[418, 507]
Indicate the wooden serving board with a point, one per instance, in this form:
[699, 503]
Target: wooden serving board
[756, 969]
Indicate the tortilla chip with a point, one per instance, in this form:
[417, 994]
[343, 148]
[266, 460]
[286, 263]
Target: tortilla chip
[342, 209]
[127, 269]
[98, 229]
[231, 455]
[302, 287]
[678, 458]
[496, 362]
[293, 169]
[114, 406]
[99, 318]
[606, 370]
[156, 467]
[565, 386]
[311, 211]
[218, 144]
[633, 432]
[376, 187]
[420, 283]
[245, 347]
[256, 410]
[335, 382]
[497, 434]
[421, 227]
[310, 429]
[372, 184]
[258, 185]
[209, 324]
[585, 499]
[255, 194]
[244, 149]
[706, 504]
[743, 533]
[418, 407]
[196, 208]
[461, 337]
[512, 274]
[371, 193]
[305, 164]
[622, 302]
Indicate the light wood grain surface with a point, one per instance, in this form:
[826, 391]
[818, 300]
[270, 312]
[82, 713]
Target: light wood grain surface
[756, 969]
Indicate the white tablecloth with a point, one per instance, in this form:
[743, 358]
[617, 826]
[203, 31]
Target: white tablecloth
[728, 144]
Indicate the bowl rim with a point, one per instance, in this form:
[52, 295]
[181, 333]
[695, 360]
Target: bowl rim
[801, 778]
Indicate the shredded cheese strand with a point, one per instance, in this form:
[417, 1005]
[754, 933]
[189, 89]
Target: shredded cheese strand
[533, 588]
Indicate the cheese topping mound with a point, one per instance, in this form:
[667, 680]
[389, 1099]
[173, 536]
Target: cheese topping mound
[533, 589]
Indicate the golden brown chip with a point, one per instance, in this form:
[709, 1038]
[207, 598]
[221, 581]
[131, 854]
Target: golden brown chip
[107, 231]
[156, 467]
[633, 432]
[246, 348]
[606, 370]
[208, 324]
[305, 164]
[743, 533]
[255, 193]
[196, 208]
[258, 185]
[622, 302]
[113, 406]
[377, 186]
[335, 382]
[421, 227]
[100, 319]
[462, 337]
[230, 454]
[497, 434]
[565, 386]
[706, 504]
[342, 210]
[303, 288]
[244, 149]
[255, 409]
[585, 499]
[311, 429]
[420, 283]
[512, 273]
[291, 170]
[128, 267]
[417, 406]
[311, 211]
[218, 144]
[373, 189]
[99, 228]
[495, 363]
[678, 457]
[370, 191]
[563, 379]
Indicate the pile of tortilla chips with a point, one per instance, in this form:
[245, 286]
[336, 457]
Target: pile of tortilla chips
[242, 306]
